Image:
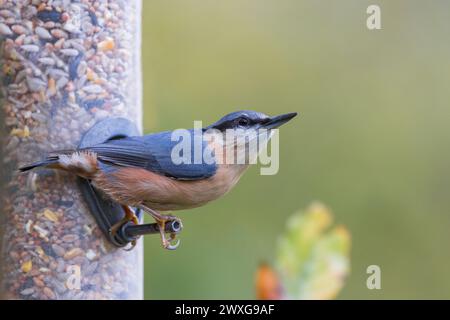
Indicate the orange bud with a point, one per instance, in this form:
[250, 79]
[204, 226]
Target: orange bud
[268, 285]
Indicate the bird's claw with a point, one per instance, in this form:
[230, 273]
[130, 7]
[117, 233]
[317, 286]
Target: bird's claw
[167, 243]
[169, 246]
[161, 220]
[129, 216]
[131, 247]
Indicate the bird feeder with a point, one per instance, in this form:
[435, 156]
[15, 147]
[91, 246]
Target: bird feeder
[66, 66]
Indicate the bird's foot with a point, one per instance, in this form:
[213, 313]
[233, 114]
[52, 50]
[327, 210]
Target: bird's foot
[168, 243]
[129, 216]
[132, 245]
[162, 220]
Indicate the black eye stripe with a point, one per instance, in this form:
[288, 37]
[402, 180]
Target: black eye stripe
[225, 125]
[241, 121]
[244, 121]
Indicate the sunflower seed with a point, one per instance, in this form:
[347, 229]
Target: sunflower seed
[35, 84]
[49, 15]
[58, 33]
[6, 13]
[69, 27]
[30, 48]
[93, 88]
[43, 33]
[69, 52]
[61, 82]
[47, 61]
[5, 30]
[19, 29]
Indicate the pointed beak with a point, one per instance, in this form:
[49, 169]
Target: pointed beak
[277, 121]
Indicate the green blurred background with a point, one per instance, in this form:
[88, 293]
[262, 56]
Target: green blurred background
[371, 141]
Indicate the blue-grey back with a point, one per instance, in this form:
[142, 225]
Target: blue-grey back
[153, 152]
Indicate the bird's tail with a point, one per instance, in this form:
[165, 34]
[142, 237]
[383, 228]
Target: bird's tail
[50, 160]
[82, 163]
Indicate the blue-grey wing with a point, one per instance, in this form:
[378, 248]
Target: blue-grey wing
[153, 152]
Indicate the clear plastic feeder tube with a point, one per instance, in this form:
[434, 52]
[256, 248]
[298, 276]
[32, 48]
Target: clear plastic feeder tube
[65, 65]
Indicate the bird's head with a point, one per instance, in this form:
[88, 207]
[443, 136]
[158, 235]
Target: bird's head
[239, 129]
[248, 120]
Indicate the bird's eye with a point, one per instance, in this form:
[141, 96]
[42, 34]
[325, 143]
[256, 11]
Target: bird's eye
[243, 121]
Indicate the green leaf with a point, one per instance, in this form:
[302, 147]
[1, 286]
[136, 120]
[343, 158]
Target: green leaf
[313, 257]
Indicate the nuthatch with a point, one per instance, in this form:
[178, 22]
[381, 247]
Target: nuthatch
[140, 171]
